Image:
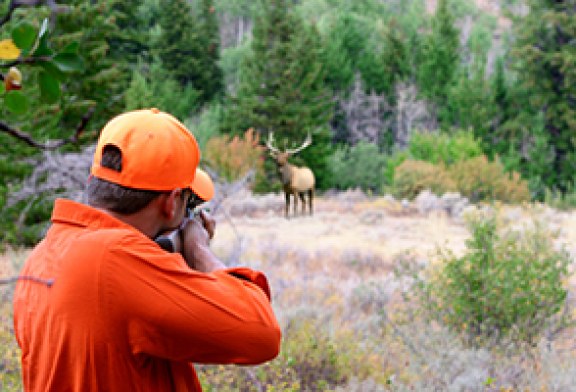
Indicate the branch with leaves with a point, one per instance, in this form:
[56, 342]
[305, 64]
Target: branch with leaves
[53, 144]
[29, 46]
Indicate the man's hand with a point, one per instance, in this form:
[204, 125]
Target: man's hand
[208, 222]
[196, 235]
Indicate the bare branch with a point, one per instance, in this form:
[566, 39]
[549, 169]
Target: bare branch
[53, 144]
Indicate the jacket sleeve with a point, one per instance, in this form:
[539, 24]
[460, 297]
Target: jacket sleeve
[168, 310]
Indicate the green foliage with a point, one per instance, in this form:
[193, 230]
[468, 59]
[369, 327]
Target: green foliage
[310, 360]
[544, 57]
[561, 201]
[282, 86]
[506, 285]
[359, 166]
[206, 124]
[151, 87]
[10, 377]
[439, 58]
[470, 102]
[444, 148]
[231, 60]
[188, 46]
[105, 77]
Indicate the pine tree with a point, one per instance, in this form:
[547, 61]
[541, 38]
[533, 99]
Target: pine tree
[213, 83]
[105, 77]
[188, 46]
[545, 56]
[439, 57]
[282, 85]
[178, 46]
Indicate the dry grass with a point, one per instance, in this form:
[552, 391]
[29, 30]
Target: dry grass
[335, 272]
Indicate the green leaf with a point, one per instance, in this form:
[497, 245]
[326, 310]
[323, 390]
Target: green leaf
[68, 62]
[72, 47]
[52, 69]
[43, 28]
[49, 87]
[2, 88]
[24, 36]
[16, 102]
[43, 48]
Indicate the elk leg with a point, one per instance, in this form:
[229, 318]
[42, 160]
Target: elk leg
[310, 197]
[287, 197]
[303, 202]
[295, 203]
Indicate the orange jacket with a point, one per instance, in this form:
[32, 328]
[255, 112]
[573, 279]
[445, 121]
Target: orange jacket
[124, 315]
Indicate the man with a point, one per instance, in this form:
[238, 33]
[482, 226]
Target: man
[101, 307]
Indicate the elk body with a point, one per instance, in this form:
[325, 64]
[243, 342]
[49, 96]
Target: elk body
[296, 181]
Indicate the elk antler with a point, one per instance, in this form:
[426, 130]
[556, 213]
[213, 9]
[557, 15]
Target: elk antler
[306, 143]
[269, 143]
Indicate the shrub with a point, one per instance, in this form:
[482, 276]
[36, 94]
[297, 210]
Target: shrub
[150, 87]
[412, 177]
[559, 200]
[479, 179]
[205, 125]
[310, 360]
[508, 284]
[233, 158]
[444, 148]
[359, 166]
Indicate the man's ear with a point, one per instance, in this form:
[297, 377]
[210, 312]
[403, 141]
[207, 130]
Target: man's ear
[169, 203]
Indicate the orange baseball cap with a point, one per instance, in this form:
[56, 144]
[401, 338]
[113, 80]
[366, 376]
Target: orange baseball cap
[203, 186]
[158, 151]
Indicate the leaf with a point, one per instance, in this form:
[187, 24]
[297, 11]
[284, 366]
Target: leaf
[2, 88]
[72, 47]
[24, 36]
[8, 50]
[42, 48]
[68, 62]
[43, 28]
[16, 102]
[49, 87]
[52, 69]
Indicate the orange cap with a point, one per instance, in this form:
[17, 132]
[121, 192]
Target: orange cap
[203, 186]
[158, 151]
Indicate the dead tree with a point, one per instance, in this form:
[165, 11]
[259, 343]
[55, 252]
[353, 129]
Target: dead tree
[296, 181]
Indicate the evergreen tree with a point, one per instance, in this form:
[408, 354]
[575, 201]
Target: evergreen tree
[545, 55]
[105, 78]
[188, 46]
[212, 76]
[439, 56]
[150, 87]
[179, 46]
[132, 39]
[396, 63]
[282, 85]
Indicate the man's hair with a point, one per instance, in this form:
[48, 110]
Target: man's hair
[117, 198]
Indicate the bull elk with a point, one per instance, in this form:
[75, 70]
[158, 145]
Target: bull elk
[296, 181]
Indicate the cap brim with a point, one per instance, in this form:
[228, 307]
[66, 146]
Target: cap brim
[202, 185]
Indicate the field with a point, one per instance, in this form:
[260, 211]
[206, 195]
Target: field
[337, 281]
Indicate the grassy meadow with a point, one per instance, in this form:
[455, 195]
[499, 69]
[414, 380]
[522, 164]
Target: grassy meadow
[341, 283]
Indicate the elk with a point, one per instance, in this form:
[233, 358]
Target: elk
[296, 181]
